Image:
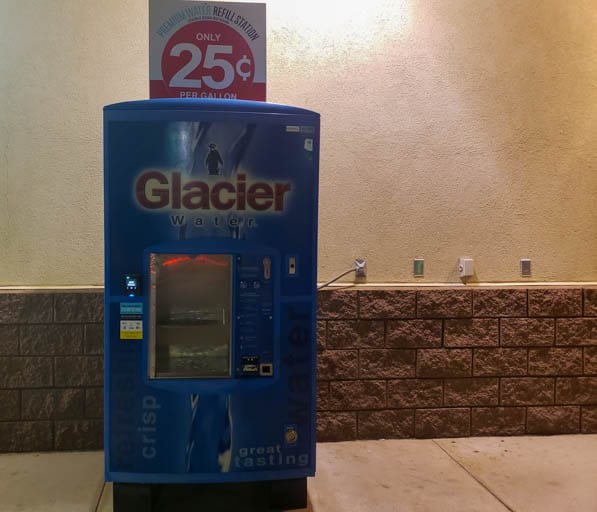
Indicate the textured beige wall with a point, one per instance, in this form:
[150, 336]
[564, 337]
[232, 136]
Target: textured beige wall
[449, 128]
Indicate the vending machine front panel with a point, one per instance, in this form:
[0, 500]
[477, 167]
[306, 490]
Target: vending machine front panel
[211, 242]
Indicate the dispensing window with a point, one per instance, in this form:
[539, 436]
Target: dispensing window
[190, 316]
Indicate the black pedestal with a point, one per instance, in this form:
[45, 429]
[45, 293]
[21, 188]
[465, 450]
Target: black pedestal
[270, 496]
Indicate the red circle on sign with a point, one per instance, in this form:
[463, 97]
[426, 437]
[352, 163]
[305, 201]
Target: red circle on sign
[207, 59]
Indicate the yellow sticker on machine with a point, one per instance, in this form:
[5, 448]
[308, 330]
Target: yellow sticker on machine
[131, 329]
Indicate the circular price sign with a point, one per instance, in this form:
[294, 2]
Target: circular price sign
[207, 59]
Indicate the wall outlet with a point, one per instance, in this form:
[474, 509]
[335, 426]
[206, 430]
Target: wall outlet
[360, 267]
[418, 267]
[525, 267]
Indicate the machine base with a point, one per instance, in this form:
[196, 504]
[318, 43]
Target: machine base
[268, 496]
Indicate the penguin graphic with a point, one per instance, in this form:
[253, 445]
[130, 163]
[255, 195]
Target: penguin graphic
[213, 160]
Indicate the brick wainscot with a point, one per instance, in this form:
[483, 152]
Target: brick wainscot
[392, 363]
[51, 370]
[428, 363]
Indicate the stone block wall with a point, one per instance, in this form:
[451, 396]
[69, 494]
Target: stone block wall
[51, 371]
[456, 362]
[392, 363]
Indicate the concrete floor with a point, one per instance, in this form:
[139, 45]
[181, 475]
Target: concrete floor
[51, 482]
[516, 474]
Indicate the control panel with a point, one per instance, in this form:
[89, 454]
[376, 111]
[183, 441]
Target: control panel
[254, 317]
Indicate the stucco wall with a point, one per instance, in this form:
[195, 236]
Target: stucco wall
[449, 129]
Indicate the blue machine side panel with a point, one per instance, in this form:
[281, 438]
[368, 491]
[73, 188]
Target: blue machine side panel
[210, 183]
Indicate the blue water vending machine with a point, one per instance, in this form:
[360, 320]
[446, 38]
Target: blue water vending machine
[210, 276]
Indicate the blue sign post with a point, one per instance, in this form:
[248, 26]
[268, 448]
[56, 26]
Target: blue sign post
[210, 275]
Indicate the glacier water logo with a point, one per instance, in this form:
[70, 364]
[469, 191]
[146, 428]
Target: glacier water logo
[169, 191]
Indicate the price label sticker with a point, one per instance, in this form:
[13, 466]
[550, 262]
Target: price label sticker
[200, 50]
[131, 329]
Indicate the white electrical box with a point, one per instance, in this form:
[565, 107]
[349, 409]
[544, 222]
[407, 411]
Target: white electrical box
[466, 267]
